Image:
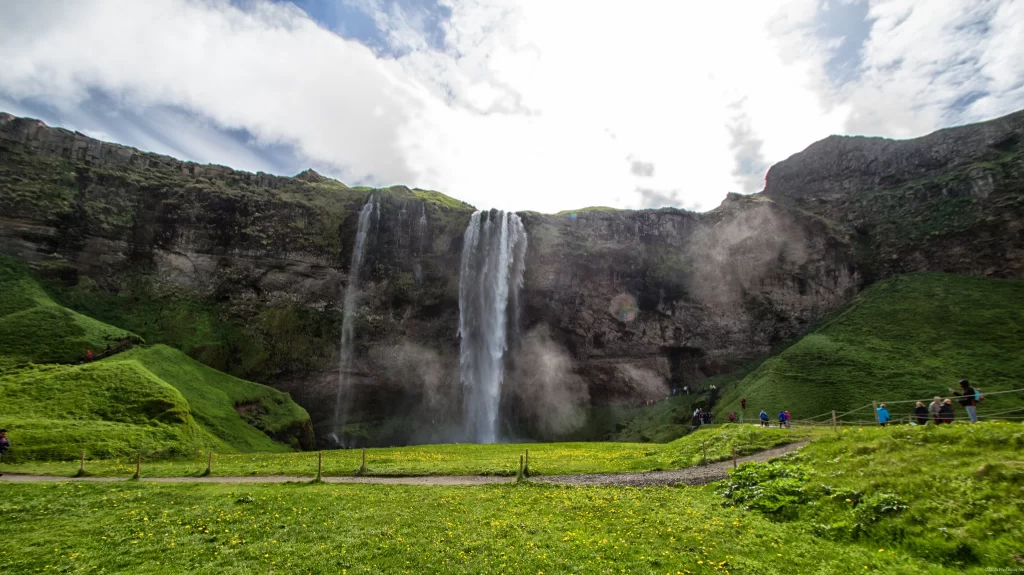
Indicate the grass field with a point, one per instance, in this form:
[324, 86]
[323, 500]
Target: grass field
[896, 500]
[909, 337]
[458, 459]
[155, 400]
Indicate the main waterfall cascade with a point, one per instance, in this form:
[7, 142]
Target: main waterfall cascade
[348, 327]
[493, 261]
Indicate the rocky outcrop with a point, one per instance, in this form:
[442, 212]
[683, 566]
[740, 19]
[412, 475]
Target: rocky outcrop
[950, 201]
[246, 271]
[839, 166]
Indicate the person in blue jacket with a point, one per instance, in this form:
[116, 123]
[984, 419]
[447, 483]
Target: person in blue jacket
[883, 415]
[764, 419]
[782, 419]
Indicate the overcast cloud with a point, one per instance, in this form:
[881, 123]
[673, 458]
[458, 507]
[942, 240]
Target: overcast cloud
[519, 104]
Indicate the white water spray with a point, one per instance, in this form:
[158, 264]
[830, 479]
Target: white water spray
[348, 322]
[493, 260]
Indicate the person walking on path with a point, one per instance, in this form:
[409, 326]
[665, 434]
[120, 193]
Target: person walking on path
[787, 418]
[764, 419]
[883, 415]
[921, 413]
[934, 408]
[968, 399]
[946, 412]
[743, 403]
[782, 419]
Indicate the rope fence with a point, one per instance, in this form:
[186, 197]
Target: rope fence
[832, 418]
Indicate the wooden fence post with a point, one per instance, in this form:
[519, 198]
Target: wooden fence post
[138, 465]
[526, 466]
[209, 462]
[874, 407]
[834, 427]
[362, 467]
[520, 467]
[734, 465]
[81, 468]
[704, 446]
[319, 464]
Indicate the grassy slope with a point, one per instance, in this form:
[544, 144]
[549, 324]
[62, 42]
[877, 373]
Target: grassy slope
[34, 328]
[909, 337]
[212, 396]
[144, 399]
[948, 494]
[108, 408]
[954, 509]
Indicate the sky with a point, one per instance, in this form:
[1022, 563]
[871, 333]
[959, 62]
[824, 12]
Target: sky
[543, 105]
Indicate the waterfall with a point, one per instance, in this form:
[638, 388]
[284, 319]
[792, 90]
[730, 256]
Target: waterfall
[348, 327]
[421, 236]
[493, 260]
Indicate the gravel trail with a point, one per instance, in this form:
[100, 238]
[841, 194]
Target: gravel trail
[698, 475]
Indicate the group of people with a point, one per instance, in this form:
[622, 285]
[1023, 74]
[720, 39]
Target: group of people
[701, 417]
[783, 419]
[685, 390]
[940, 410]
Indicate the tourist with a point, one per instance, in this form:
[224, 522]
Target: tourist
[967, 395]
[743, 403]
[946, 412]
[787, 418]
[732, 417]
[764, 419]
[883, 415]
[88, 355]
[782, 419]
[5, 444]
[921, 413]
[934, 408]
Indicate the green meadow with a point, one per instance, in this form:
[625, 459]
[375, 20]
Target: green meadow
[897, 500]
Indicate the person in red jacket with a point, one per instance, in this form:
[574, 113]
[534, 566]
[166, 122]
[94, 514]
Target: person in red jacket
[88, 355]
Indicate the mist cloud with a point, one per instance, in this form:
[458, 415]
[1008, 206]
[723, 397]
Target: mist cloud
[733, 255]
[543, 383]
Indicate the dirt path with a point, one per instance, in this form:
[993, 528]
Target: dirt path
[687, 476]
[697, 475]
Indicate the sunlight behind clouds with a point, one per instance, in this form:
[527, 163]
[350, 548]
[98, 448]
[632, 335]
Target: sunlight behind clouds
[523, 104]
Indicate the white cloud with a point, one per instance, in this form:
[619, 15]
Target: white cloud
[531, 104]
[923, 59]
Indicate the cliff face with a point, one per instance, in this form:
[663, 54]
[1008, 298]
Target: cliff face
[950, 201]
[246, 272]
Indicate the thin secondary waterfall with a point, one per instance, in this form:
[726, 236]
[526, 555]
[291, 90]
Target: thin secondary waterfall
[348, 322]
[493, 260]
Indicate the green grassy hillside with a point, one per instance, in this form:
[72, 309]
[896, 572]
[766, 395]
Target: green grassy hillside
[909, 337]
[154, 399]
[242, 414]
[33, 327]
